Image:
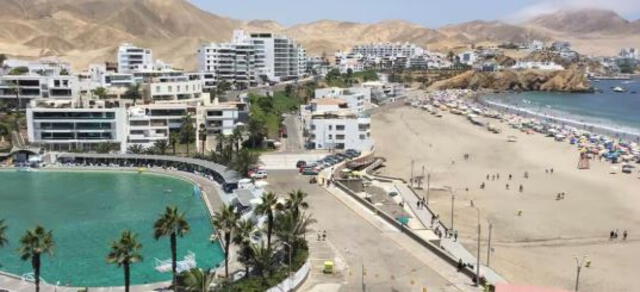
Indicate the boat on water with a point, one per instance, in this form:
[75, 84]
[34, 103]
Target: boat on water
[619, 89]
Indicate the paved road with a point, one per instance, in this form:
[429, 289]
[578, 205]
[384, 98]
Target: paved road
[392, 261]
[294, 142]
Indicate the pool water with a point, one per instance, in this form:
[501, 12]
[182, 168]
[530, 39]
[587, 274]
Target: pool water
[88, 210]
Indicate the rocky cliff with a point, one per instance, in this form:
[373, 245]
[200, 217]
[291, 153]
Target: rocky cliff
[570, 80]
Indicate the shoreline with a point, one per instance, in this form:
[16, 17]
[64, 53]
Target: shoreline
[558, 121]
[192, 179]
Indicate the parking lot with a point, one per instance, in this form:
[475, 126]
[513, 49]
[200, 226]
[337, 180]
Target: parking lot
[372, 253]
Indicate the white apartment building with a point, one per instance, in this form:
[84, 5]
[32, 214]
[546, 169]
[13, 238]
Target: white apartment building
[230, 62]
[131, 58]
[340, 130]
[145, 129]
[629, 53]
[468, 57]
[218, 118]
[32, 86]
[175, 89]
[357, 98]
[63, 126]
[44, 67]
[546, 66]
[278, 57]
[388, 50]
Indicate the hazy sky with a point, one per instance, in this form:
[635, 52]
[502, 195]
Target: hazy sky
[432, 13]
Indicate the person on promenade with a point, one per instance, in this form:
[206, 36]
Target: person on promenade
[521, 188]
[482, 186]
[507, 186]
[324, 235]
[551, 170]
[526, 174]
[624, 235]
[487, 177]
[510, 176]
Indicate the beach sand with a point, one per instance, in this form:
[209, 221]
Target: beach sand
[538, 247]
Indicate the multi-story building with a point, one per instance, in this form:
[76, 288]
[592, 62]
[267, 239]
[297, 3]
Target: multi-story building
[230, 62]
[629, 53]
[278, 58]
[131, 58]
[32, 86]
[357, 98]
[218, 118]
[63, 125]
[175, 89]
[388, 50]
[145, 129]
[339, 130]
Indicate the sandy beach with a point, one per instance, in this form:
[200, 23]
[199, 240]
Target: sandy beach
[539, 246]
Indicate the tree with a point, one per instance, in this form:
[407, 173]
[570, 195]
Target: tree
[291, 229]
[161, 146]
[100, 92]
[263, 260]
[133, 93]
[244, 160]
[225, 221]
[268, 208]
[187, 131]
[237, 137]
[242, 238]
[222, 87]
[33, 244]
[173, 140]
[124, 252]
[196, 280]
[3, 233]
[296, 201]
[64, 72]
[202, 135]
[172, 224]
[105, 147]
[257, 130]
[135, 149]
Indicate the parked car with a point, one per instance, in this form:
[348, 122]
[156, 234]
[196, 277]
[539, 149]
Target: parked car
[310, 171]
[628, 168]
[259, 174]
[229, 187]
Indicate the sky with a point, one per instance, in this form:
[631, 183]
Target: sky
[431, 13]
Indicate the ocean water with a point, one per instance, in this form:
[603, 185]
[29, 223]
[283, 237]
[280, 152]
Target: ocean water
[618, 112]
[86, 211]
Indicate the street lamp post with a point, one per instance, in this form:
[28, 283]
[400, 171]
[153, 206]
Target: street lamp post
[489, 245]
[478, 252]
[579, 264]
[428, 187]
[289, 274]
[453, 198]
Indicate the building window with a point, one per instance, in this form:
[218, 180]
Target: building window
[330, 136]
[340, 127]
[158, 89]
[169, 88]
[330, 127]
[362, 137]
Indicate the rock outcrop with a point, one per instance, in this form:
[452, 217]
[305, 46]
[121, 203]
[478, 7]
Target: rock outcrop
[570, 80]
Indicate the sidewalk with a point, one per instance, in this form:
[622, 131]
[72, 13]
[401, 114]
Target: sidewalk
[455, 248]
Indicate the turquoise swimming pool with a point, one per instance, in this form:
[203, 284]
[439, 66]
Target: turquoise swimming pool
[88, 210]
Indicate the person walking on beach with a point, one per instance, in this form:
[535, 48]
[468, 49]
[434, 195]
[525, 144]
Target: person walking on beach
[507, 186]
[482, 186]
[551, 170]
[526, 174]
[510, 176]
[487, 177]
[624, 235]
[324, 235]
[611, 235]
[521, 188]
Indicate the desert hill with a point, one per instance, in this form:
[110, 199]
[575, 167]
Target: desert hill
[87, 31]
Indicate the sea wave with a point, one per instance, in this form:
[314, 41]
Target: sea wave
[604, 127]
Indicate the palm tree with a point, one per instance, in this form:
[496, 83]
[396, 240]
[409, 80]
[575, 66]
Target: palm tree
[221, 139]
[124, 252]
[268, 207]
[291, 229]
[196, 280]
[187, 131]
[32, 245]
[161, 146]
[296, 201]
[226, 221]
[173, 224]
[3, 233]
[242, 238]
[135, 149]
[263, 260]
[173, 140]
[244, 161]
[256, 129]
[133, 93]
[236, 137]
